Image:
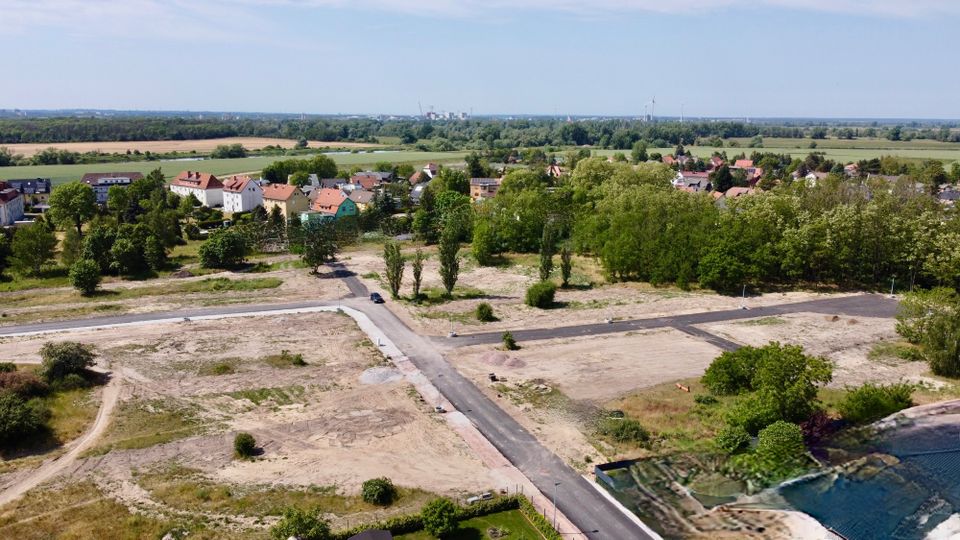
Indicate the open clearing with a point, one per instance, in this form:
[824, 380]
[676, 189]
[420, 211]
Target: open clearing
[186, 146]
[324, 428]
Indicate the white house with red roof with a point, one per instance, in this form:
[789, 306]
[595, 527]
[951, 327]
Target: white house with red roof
[241, 194]
[204, 186]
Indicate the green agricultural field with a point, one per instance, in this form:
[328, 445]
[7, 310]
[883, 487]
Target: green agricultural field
[221, 167]
[946, 153]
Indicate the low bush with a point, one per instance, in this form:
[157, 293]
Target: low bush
[484, 313]
[439, 517]
[63, 358]
[540, 295]
[7, 367]
[492, 506]
[509, 343]
[85, 276]
[302, 525]
[539, 522]
[72, 381]
[20, 418]
[244, 445]
[23, 384]
[379, 491]
[623, 430]
[871, 402]
[732, 439]
[705, 399]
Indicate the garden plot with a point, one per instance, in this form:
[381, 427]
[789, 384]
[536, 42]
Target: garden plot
[189, 387]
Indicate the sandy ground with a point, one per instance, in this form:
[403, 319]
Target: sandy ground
[198, 145]
[504, 289]
[350, 416]
[847, 341]
[298, 285]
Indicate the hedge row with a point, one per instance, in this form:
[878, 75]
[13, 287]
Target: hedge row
[413, 522]
[539, 522]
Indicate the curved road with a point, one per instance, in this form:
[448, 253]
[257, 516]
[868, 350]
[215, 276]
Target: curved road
[590, 511]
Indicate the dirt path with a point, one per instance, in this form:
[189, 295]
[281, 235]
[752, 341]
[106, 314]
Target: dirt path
[111, 393]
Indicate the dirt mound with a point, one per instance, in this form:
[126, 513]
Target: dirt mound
[496, 358]
[380, 375]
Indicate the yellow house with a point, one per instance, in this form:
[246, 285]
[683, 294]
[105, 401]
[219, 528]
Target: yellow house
[289, 198]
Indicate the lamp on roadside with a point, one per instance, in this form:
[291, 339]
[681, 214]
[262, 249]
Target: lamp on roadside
[555, 486]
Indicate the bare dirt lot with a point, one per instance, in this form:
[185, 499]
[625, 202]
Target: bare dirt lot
[187, 388]
[193, 145]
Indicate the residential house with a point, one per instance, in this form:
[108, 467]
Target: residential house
[11, 204]
[362, 198]
[314, 182]
[367, 180]
[693, 181]
[483, 188]
[555, 171]
[417, 193]
[735, 192]
[715, 163]
[102, 182]
[34, 190]
[331, 204]
[288, 198]
[204, 186]
[418, 177]
[852, 170]
[669, 160]
[431, 169]
[742, 164]
[949, 197]
[241, 194]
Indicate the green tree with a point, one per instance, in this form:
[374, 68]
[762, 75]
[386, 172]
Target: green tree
[72, 204]
[439, 517]
[547, 249]
[244, 445]
[320, 243]
[941, 343]
[476, 167]
[732, 439]
[4, 251]
[85, 276]
[154, 253]
[31, 248]
[118, 200]
[224, 249]
[302, 525]
[917, 309]
[639, 152]
[20, 418]
[299, 179]
[97, 245]
[780, 443]
[378, 491]
[451, 180]
[484, 312]
[394, 266]
[722, 179]
[449, 253]
[566, 265]
[65, 358]
[70, 248]
[417, 265]
[484, 244]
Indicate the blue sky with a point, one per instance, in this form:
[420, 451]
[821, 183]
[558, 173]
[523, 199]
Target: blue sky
[733, 58]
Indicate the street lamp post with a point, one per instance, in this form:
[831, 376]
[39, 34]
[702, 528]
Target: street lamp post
[555, 486]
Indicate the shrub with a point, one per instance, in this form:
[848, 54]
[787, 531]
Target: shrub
[71, 381]
[752, 413]
[439, 517]
[872, 402]
[20, 418]
[62, 359]
[732, 439]
[224, 249]
[244, 445]
[780, 442]
[539, 522]
[732, 372]
[623, 430]
[509, 343]
[705, 399]
[7, 367]
[301, 525]
[25, 385]
[379, 491]
[484, 312]
[540, 295]
[85, 276]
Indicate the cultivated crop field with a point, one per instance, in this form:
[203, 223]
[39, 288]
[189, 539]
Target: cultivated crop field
[948, 153]
[221, 167]
[159, 147]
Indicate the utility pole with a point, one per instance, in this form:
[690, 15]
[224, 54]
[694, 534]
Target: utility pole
[555, 486]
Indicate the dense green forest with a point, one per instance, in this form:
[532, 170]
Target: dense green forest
[449, 135]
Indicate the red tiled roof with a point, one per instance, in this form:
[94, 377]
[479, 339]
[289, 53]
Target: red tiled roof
[279, 192]
[236, 184]
[197, 180]
[7, 193]
[328, 200]
[743, 163]
[669, 160]
[417, 177]
[365, 181]
[735, 192]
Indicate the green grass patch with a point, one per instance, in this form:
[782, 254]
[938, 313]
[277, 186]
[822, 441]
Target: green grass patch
[188, 490]
[80, 510]
[511, 525]
[895, 350]
[55, 277]
[284, 360]
[437, 295]
[142, 424]
[764, 321]
[223, 367]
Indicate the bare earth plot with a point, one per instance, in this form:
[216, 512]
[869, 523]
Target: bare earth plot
[324, 428]
[198, 145]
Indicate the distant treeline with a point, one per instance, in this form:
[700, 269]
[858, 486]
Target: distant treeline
[478, 134]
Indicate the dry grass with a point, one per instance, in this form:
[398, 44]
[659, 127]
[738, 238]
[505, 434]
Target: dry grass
[200, 146]
[141, 424]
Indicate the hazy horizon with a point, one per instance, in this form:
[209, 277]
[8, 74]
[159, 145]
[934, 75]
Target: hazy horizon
[733, 59]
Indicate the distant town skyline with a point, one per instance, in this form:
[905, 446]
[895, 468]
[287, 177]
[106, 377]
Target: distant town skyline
[883, 59]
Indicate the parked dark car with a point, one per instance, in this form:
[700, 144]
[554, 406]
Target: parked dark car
[376, 298]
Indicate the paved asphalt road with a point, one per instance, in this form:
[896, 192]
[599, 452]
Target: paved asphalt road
[579, 501]
[861, 305]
